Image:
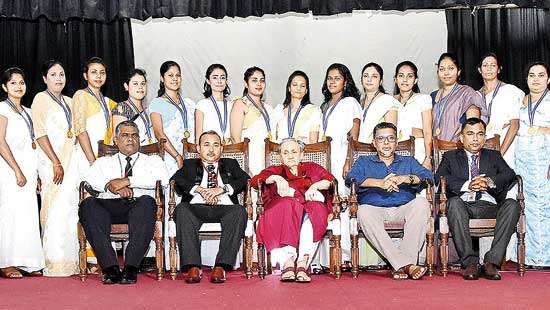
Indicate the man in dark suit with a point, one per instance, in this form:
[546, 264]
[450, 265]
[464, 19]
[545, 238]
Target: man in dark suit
[478, 181]
[209, 187]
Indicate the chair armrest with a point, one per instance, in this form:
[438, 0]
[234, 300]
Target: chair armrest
[260, 201]
[520, 197]
[159, 201]
[442, 197]
[171, 199]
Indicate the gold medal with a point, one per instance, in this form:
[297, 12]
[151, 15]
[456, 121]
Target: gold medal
[437, 132]
[400, 135]
[489, 127]
[532, 130]
[323, 138]
[33, 145]
[150, 141]
[269, 136]
[69, 134]
[186, 134]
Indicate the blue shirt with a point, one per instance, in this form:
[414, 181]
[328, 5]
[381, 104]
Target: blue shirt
[372, 167]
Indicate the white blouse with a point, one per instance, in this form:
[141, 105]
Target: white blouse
[211, 121]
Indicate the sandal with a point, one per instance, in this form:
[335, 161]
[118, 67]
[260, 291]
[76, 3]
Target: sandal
[399, 274]
[288, 274]
[37, 273]
[302, 276]
[415, 272]
[10, 273]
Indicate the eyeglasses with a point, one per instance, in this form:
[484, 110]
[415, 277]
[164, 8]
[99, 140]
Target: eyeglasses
[390, 139]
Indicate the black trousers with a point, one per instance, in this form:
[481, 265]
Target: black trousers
[97, 215]
[190, 217]
[459, 214]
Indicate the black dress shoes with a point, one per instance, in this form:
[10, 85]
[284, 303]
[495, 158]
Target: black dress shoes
[129, 275]
[111, 275]
[471, 272]
[148, 264]
[490, 271]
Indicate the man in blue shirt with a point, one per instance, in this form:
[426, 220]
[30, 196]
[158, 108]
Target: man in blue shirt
[387, 184]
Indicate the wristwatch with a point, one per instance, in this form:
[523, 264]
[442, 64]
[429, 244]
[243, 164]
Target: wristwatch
[225, 190]
[491, 183]
[411, 178]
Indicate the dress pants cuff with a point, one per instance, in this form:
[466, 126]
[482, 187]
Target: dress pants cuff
[225, 267]
[470, 260]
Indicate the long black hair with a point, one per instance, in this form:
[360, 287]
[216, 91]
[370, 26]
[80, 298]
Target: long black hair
[288, 97]
[248, 73]
[163, 69]
[410, 64]
[380, 71]
[207, 88]
[350, 90]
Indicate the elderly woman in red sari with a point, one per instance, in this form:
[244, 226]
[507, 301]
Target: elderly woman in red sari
[297, 210]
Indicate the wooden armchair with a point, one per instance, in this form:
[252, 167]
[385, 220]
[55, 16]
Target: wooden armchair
[119, 232]
[318, 153]
[209, 231]
[394, 229]
[478, 227]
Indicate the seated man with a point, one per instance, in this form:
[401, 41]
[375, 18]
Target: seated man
[209, 187]
[478, 181]
[297, 210]
[387, 188]
[126, 183]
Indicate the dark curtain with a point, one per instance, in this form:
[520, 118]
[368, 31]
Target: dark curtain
[109, 10]
[27, 44]
[517, 36]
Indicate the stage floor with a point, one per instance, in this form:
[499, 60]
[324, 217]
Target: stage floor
[372, 290]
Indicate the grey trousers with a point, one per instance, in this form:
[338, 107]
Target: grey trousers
[415, 213]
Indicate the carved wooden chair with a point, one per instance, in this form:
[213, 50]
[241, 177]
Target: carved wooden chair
[478, 227]
[119, 232]
[212, 231]
[394, 229]
[318, 153]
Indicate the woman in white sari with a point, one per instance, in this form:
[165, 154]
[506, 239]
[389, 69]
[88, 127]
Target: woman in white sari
[376, 104]
[58, 170]
[254, 119]
[20, 247]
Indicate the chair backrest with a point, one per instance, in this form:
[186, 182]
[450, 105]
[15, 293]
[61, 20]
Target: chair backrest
[356, 149]
[442, 146]
[318, 153]
[237, 151]
[156, 148]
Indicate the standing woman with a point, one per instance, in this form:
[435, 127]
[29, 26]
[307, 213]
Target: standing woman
[300, 118]
[415, 115]
[58, 170]
[212, 112]
[132, 109]
[376, 104]
[340, 119]
[453, 102]
[533, 163]
[503, 102]
[253, 118]
[92, 119]
[172, 115]
[20, 246]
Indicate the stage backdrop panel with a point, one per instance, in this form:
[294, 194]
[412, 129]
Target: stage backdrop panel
[281, 44]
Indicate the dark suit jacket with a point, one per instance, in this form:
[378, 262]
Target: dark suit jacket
[454, 167]
[192, 171]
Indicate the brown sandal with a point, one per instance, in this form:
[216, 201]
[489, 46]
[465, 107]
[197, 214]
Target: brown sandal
[399, 274]
[302, 275]
[288, 274]
[415, 272]
[10, 273]
[37, 273]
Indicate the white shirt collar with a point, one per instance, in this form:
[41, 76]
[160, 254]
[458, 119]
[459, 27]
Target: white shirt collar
[123, 157]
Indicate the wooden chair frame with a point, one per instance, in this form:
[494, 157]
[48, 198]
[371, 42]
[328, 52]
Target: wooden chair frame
[394, 229]
[478, 227]
[236, 150]
[119, 232]
[272, 157]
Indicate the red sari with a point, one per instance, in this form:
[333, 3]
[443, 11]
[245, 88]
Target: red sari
[280, 224]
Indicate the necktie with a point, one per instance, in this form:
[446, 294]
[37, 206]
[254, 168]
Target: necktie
[474, 172]
[128, 168]
[212, 178]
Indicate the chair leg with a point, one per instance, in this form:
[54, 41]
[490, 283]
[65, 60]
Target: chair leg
[159, 255]
[269, 265]
[355, 256]
[337, 256]
[261, 261]
[248, 256]
[444, 253]
[521, 254]
[430, 252]
[82, 263]
[173, 258]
